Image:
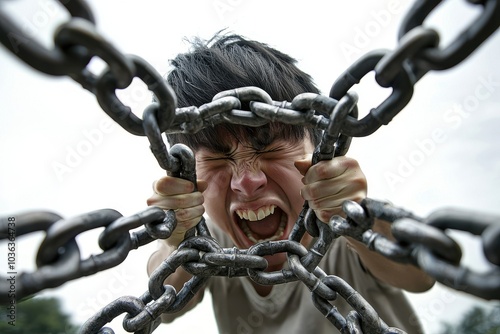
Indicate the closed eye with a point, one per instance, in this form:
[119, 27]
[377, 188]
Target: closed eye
[220, 159]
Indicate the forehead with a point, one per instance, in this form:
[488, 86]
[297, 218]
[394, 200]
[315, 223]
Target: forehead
[224, 138]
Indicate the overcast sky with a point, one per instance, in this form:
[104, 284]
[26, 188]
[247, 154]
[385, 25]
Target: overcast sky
[441, 151]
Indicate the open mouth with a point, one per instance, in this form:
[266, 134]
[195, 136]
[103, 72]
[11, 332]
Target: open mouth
[267, 223]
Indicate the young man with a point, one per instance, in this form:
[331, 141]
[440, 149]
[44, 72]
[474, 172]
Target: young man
[253, 183]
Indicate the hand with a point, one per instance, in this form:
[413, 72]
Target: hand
[329, 183]
[177, 194]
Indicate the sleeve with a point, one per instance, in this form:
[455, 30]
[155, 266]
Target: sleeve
[160, 256]
[389, 302]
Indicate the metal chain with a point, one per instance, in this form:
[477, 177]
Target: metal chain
[421, 242]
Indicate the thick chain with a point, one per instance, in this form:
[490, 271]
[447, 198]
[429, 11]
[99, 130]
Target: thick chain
[421, 242]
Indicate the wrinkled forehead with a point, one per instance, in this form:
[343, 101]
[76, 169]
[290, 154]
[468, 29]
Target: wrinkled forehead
[224, 138]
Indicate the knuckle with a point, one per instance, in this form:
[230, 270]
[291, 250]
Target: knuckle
[154, 200]
[181, 215]
[180, 202]
[322, 170]
[160, 185]
[349, 162]
[359, 187]
[325, 215]
[193, 213]
[311, 193]
[188, 200]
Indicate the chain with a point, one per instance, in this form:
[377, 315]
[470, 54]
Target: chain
[418, 241]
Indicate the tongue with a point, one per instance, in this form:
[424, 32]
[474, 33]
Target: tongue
[266, 227]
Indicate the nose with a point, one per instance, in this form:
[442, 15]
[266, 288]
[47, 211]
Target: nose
[248, 181]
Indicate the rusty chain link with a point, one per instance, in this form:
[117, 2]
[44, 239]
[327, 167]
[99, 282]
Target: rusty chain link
[422, 242]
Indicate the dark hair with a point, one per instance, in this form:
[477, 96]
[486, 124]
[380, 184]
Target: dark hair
[227, 62]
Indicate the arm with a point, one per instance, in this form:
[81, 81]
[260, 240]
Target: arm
[177, 194]
[404, 276]
[327, 185]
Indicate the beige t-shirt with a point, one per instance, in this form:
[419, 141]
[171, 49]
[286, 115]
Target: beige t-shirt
[289, 307]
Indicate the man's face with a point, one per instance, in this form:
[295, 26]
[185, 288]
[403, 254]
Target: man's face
[254, 195]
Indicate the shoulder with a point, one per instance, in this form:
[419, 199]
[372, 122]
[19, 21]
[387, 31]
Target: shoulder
[343, 261]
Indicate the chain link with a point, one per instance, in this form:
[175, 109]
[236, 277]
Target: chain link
[422, 242]
[58, 257]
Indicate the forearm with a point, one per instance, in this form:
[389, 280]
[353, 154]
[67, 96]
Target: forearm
[176, 279]
[404, 276]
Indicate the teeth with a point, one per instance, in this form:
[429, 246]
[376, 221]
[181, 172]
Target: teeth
[252, 216]
[276, 236]
[261, 215]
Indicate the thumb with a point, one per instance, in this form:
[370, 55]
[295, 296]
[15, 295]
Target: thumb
[303, 165]
[202, 185]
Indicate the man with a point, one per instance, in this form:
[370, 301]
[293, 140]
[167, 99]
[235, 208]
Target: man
[253, 183]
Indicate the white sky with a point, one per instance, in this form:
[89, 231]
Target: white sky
[44, 118]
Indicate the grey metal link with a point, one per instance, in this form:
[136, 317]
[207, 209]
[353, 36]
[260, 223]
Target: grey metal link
[139, 318]
[365, 319]
[234, 259]
[107, 84]
[50, 61]
[414, 41]
[79, 34]
[270, 248]
[193, 119]
[425, 244]
[421, 242]
[58, 257]
[381, 115]
[466, 42]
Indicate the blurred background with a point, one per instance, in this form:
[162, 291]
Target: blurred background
[440, 151]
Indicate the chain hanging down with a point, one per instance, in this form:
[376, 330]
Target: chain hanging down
[422, 242]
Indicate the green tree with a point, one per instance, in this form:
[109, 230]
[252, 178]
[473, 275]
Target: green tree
[36, 316]
[478, 320]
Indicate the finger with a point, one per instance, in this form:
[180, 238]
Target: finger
[325, 208]
[188, 215]
[342, 186]
[187, 219]
[336, 200]
[303, 165]
[177, 201]
[169, 186]
[328, 169]
[202, 185]
[326, 215]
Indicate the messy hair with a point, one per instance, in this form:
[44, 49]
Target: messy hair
[227, 62]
